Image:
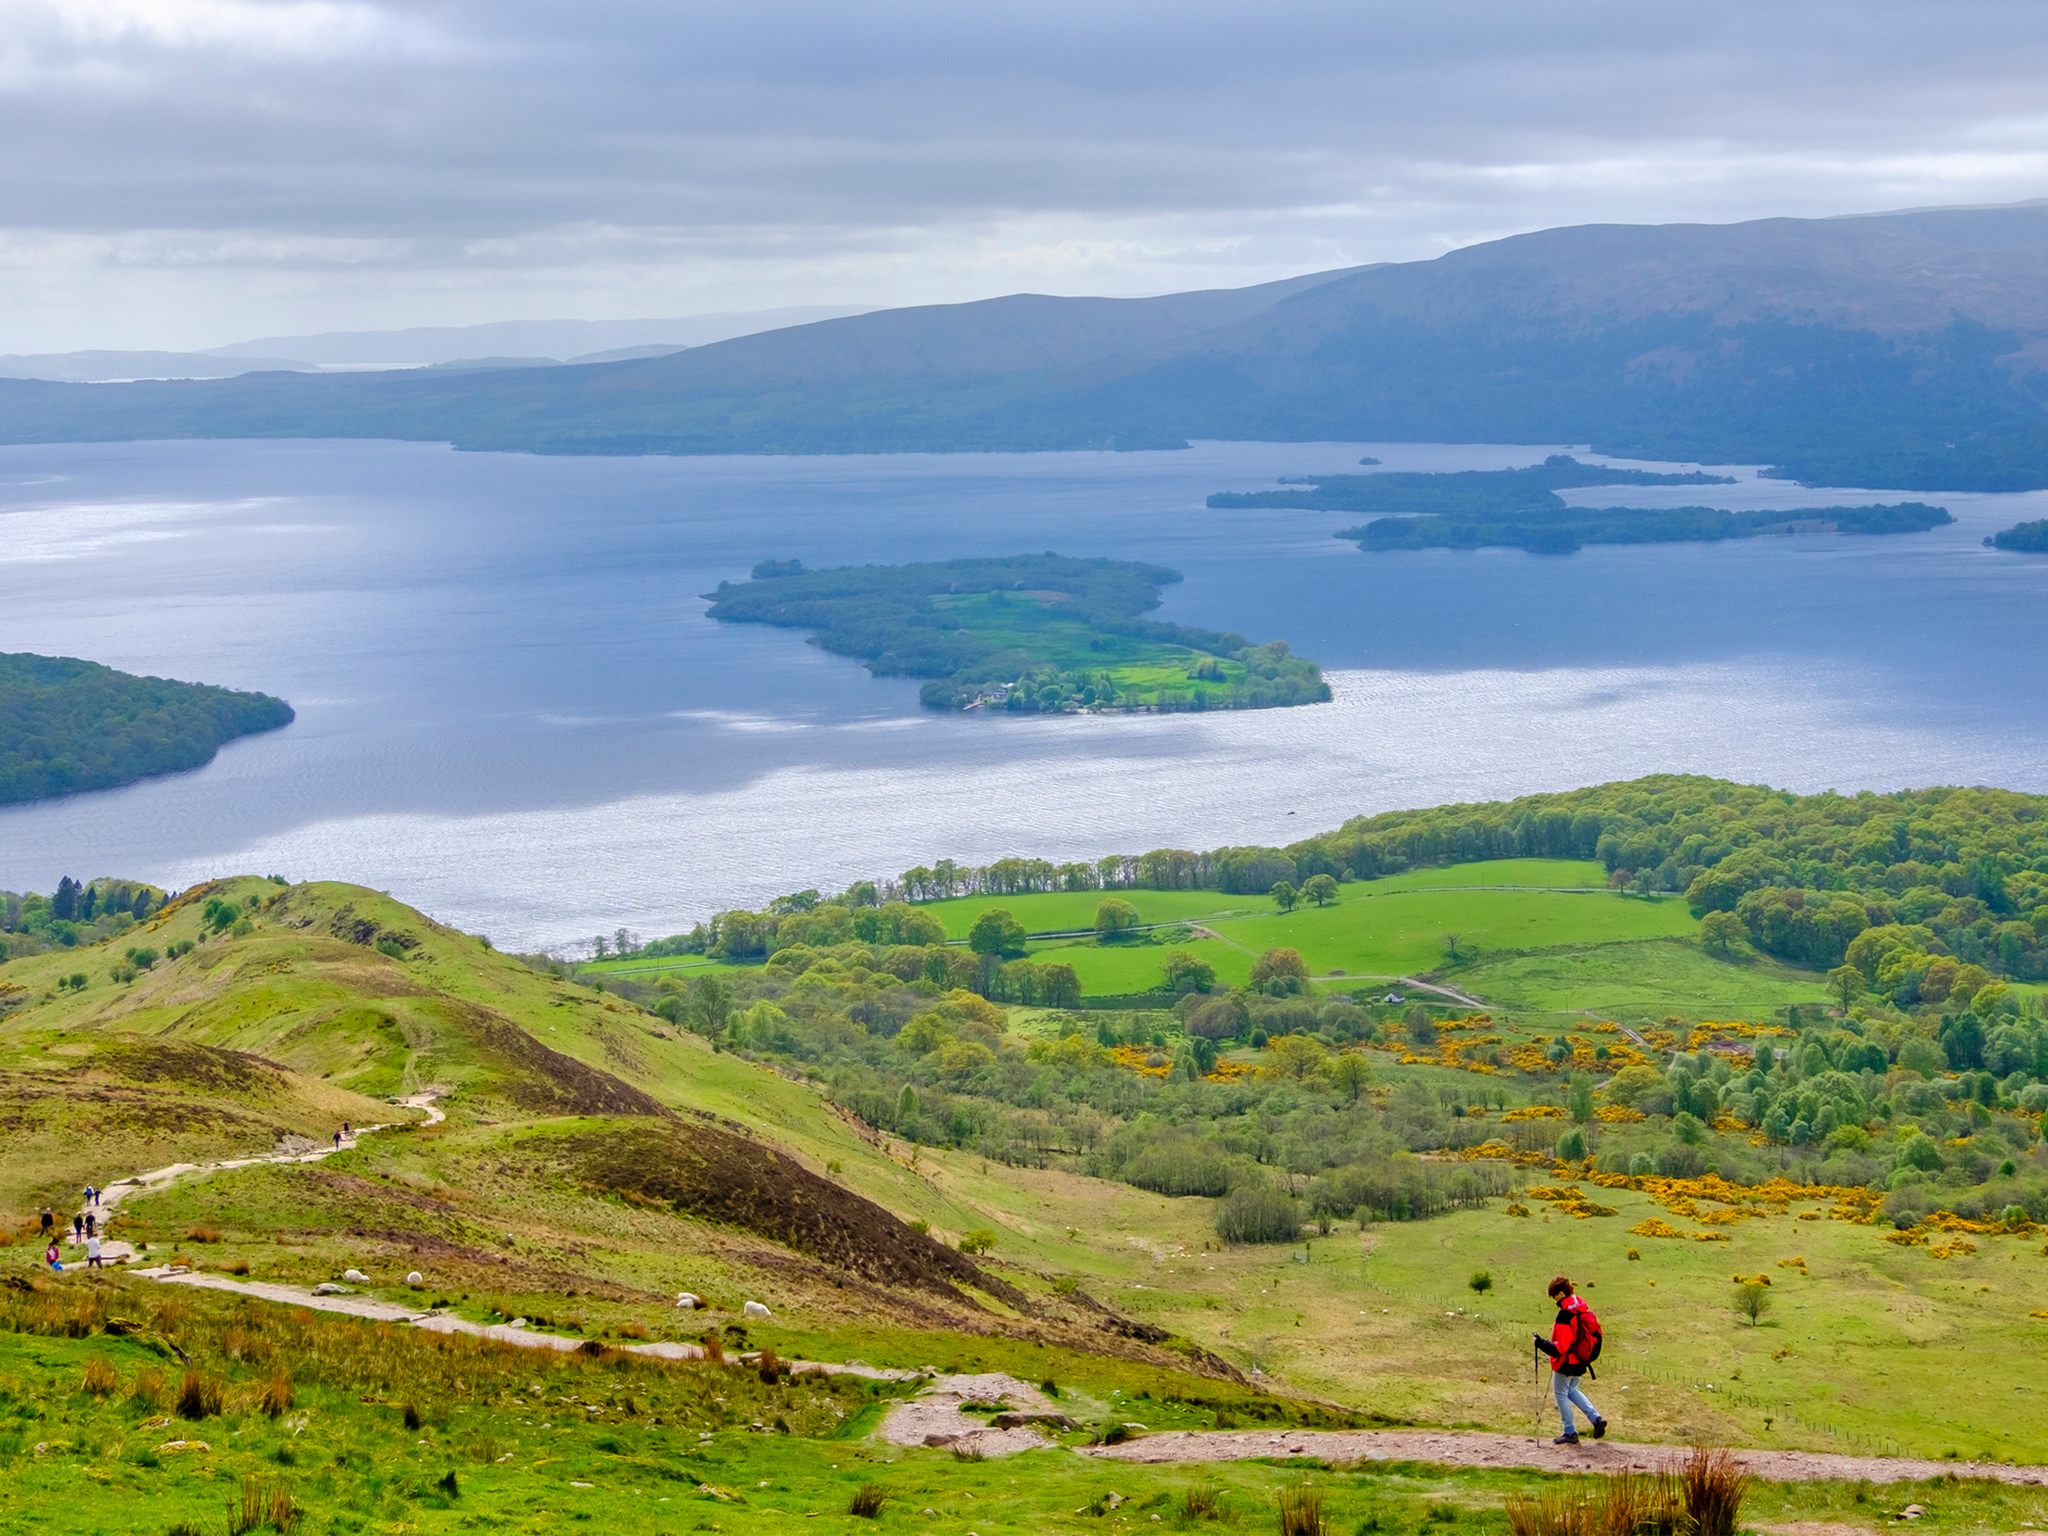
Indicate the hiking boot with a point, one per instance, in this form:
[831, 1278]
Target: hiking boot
[1569, 1437]
[1599, 1429]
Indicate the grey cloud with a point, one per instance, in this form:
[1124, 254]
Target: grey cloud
[390, 161]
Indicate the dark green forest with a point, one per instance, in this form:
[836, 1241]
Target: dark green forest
[68, 725]
[1520, 509]
[1566, 531]
[2032, 537]
[1036, 633]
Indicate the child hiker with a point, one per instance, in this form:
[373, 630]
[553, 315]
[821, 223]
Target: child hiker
[1573, 1346]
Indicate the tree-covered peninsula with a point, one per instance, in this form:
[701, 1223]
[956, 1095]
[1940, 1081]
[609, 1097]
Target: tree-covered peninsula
[1521, 509]
[68, 725]
[1027, 633]
[2031, 537]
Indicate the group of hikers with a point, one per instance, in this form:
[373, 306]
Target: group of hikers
[85, 1228]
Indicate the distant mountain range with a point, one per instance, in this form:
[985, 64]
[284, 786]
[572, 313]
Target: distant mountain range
[1902, 350]
[498, 344]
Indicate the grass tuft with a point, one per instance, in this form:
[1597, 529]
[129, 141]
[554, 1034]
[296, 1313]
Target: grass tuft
[101, 1379]
[867, 1501]
[1714, 1488]
[200, 1396]
[275, 1395]
[1301, 1511]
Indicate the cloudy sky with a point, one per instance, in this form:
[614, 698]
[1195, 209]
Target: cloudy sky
[184, 173]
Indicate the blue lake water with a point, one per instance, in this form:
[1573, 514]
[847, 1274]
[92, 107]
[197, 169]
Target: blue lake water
[513, 713]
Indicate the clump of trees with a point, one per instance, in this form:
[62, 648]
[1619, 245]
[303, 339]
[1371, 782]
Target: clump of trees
[76, 913]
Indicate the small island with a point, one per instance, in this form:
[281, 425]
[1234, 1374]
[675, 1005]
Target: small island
[1521, 509]
[68, 725]
[1041, 634]
[2030, 537]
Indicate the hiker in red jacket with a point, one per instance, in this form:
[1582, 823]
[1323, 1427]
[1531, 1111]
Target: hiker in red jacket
[1573, 1346]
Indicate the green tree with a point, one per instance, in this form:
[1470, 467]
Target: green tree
[1285, 896]
[1421, 1029]
[1321, 890]
[996, 932]
[1752, 1299]
[710, 1006]
[1187, 973]
[1720, 932]
[1059, 986]
[1351, 1073]
[1571, 1146]
[1451, 947]
[1846, 983]
[1580, 1100]
[1115, 920]
[1277, 965]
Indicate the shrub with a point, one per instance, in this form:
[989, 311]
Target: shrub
[101, 1379]
[392, 948]
[982, 1240]
[1258, 1213]
[1481, 1282]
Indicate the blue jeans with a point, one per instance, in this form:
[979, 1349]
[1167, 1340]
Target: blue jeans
[1566, 1390]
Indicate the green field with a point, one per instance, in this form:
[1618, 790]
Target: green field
[1648, 978]
[1373, 931]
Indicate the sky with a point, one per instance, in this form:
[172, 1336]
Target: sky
[189, 173]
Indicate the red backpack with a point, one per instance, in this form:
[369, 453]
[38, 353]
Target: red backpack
[1586, 1336]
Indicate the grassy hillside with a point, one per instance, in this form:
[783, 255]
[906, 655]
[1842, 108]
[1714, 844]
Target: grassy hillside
[595, 1159]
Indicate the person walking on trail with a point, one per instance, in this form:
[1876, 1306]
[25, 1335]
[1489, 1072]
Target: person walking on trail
[1573, 1346]
[91, 1221]
[337, 1141]
[77, 1229]
[92, 1253]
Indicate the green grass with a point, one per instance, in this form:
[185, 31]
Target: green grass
[1039, 628]
[1646, 979]
[537, 1443]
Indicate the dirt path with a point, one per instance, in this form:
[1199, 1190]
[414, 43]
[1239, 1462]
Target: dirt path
[936, 1416]
[114, 1251]
[1466, 1448]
